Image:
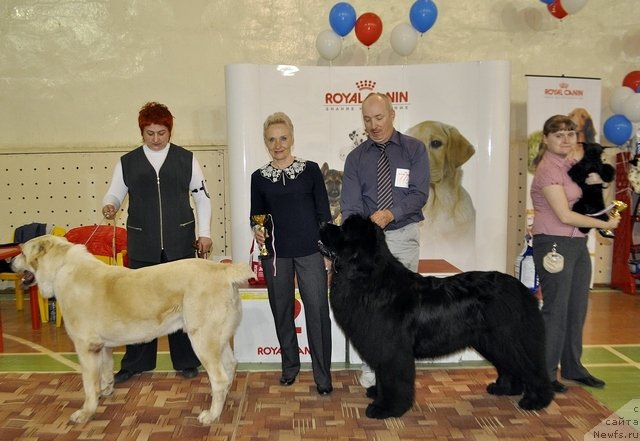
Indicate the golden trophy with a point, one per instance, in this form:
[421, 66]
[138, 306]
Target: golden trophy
[260, 220]
[618, 207]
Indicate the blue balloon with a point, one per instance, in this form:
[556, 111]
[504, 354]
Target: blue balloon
[618, 129]
[423, 15]
[342, 18]
[547, 2]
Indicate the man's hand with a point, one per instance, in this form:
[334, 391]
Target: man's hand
[382, 218]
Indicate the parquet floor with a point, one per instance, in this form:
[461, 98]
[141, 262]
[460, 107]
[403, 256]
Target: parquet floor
[40, 387]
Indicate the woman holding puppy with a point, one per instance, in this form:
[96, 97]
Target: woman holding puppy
[565, 291]
[292, 191]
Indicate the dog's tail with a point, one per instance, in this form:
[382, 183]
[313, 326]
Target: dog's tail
[238, 272]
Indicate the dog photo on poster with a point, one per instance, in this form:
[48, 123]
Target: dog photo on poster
[460, 111]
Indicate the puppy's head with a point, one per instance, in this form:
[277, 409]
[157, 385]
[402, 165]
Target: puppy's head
[358, 136]
[592, 152]
[332, 181]
[446, 146]
[32, 258]
[584, 124]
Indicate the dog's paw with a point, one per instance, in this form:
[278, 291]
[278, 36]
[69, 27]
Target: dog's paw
[207, 418]
[372, 392]
[80, 416]
[527, 403]
[107, 390]
[380, 413]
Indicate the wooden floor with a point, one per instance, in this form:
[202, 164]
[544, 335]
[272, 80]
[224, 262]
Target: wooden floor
[39, 389]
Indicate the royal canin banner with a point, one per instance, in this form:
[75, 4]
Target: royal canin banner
[459, 110]
[580, 99]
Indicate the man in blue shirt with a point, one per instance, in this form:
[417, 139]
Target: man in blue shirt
[407, 165]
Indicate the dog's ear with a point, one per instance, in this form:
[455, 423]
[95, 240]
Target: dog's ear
[34, 249]
[589, 130]
[324, 169]
[460, 149]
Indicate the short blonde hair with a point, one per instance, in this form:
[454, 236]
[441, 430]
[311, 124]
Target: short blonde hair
[276, 118]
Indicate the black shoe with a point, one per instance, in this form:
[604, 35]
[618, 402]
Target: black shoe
[559, 387]
[590, 381]
[324, 390]
[189, 373]
[123, 375]
[287, 381]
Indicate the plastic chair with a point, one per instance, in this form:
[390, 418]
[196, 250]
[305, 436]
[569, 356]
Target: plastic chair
[17, 278]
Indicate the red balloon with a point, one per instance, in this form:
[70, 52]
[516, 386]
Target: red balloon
[368, 28]
[556, 10]
[632, 80]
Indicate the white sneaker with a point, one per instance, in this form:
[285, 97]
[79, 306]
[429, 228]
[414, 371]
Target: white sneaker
[367, 376]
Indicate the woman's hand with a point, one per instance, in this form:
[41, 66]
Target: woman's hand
[593, 179]
[260, 234]
[613, 222]
[109, 211]
[203, 246]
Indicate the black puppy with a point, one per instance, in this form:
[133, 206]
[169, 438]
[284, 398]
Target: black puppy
[393, 316]
[592, 200]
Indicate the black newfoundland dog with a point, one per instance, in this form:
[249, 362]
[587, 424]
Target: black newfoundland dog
[393, 316]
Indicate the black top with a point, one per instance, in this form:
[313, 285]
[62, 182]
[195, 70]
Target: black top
[296, 198]
[160, 215]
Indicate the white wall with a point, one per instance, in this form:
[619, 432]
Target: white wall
[75, 72]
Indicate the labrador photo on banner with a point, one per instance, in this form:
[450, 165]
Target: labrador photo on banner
[460, 111]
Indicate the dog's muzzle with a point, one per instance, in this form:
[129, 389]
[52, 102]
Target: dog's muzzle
[28, 279]
[326, 252]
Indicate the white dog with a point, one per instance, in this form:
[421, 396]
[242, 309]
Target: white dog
[106, 306]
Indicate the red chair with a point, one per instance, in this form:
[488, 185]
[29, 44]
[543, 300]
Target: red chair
[107, 242]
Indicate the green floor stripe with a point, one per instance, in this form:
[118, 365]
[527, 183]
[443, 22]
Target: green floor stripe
[633, 352]
[600, 355]
[623, 385]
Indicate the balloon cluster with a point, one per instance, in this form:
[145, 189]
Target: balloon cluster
[368, 28]
[625, 103]
[561, 8]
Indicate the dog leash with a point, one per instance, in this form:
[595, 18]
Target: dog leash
[113, 238]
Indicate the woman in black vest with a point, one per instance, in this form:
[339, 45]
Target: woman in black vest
[159, 177]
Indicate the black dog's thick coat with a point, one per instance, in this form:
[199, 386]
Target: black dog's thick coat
[393, 316]
[592, 200]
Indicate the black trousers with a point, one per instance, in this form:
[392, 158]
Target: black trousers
[312, 284]
[142, 357]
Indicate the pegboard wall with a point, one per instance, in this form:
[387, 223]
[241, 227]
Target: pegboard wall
[66, 189]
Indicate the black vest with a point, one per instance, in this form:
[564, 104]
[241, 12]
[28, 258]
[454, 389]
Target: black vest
[160, 215]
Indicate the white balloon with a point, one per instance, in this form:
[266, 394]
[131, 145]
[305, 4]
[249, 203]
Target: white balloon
[618, 97]
[404, 39]
[631, 108]
[572, 6]
[329, 44]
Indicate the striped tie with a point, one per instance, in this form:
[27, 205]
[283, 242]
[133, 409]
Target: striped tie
[385, 196]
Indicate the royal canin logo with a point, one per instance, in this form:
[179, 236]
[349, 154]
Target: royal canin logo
[563, 89]
[364, 88]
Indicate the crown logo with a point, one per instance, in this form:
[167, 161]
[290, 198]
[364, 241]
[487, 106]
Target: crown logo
[365, 85]
[564, 85]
